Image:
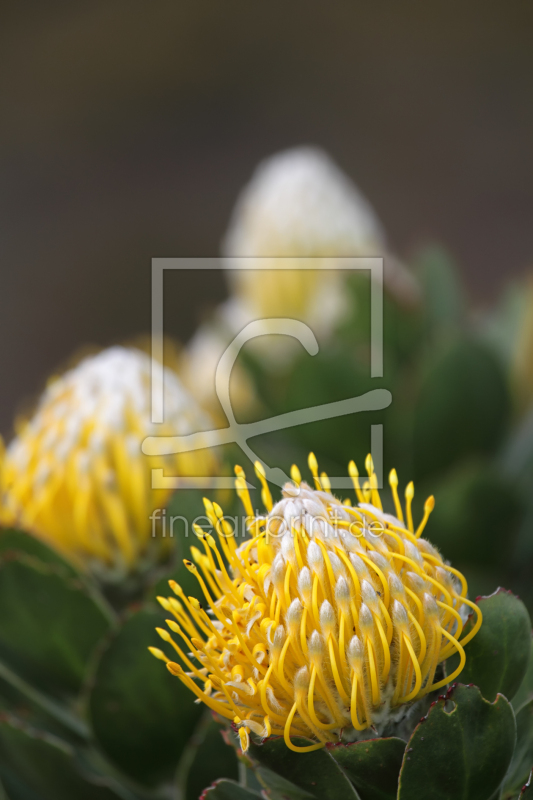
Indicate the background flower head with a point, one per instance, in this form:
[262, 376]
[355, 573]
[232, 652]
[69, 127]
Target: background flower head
[75, 475]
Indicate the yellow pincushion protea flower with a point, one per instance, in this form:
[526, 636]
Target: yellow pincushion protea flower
[299, 203]
[326, 621]
[75, 475]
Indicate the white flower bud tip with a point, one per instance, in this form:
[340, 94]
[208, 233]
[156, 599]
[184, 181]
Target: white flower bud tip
[316, 645]
[368, 593]
[305, 583]
[430, 606]
[294, 612]
[327, 618]
[366, 620]
[342, 591]
[399, 615]
[315, 557]
[355, 652]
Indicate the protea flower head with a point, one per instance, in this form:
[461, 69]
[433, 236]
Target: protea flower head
[74, 474]
[325, 623]
[298, 203]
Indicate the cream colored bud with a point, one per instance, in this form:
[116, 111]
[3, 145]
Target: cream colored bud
[305, 583]
[366, 620]
[316, 645]
[416, 583]
[396, 586]
[279, 638]
[399, 616]
[315, 557]
[301, 680]
[360, 567]
[294, 614]
[288, 550]
[336, 564]
[342, 592]
[379, 560]
[277, 573]
[327, 619]
[412, 552]
[443, 576]
[430, 606]
[368, 593]
[356, 652]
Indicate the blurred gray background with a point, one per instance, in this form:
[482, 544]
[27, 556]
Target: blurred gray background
[128, 128]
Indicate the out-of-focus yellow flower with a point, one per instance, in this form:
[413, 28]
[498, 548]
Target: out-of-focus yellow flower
[197, 368]
[299, 203]
[326, 621]
[75, 475]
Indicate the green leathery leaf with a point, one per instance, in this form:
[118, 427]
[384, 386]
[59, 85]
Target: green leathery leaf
[523, 754]
[38, 708]
[278, 788]
[373, 766]
[40, 765]
[207, 756]
[444, 295]
[14, 540]
[330, 376]
[50, 625]
[462, 753]
[473, 505]
[316, 772]
[141, 715]
[497, 657]
[525, 692]
[228, 790]
[462, 408]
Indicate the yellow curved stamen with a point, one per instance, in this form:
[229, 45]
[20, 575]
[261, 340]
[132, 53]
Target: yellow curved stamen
[470, 635]
[354, 475]
[416, 600]
[311, 704]
[409, 494]
[420, 634]
[386, 651]
[296, 476]
[418, 674]
[313, 466]
[214, 705]
[325, 482]
[266, 497]
[376, 499]
[429, 505]
[448, 568]
[455, 673]
[386, 594]
[279, 668]
[262, 694]
[199, 560]
[287, 737]
[335, 670]
[373, 672]
[388, 621]
[353, 706]
[393, 482]
[242, 491]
